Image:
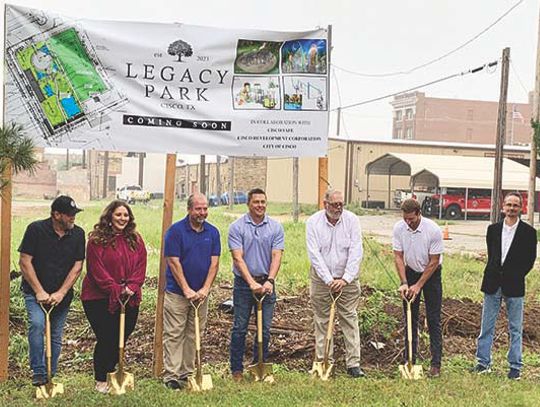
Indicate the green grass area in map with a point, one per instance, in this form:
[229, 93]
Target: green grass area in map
[67, 47]
[56, 81]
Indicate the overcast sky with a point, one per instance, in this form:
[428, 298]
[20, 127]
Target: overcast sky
[369, 38]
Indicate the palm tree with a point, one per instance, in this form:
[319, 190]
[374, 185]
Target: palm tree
[16, 150]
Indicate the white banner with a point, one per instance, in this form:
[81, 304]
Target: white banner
[127, 86]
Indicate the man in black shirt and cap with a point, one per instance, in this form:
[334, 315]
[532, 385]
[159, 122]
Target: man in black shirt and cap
[51, 258]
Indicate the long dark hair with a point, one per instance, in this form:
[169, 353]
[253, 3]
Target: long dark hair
[103, 233]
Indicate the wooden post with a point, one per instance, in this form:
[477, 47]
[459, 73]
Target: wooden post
[202, 175]
[295, 208]
[141, 169]
[496, 196]
[5, 263]
[534, 148]
[168, 206]
[323, 179]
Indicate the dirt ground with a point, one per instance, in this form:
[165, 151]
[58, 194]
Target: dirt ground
[292, 340]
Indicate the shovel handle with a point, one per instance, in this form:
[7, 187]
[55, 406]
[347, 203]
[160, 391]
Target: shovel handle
[48, 345]
[409, 331]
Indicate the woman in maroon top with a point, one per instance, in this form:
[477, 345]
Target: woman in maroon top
[116, 267]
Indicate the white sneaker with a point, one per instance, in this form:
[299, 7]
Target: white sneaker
[101, 387]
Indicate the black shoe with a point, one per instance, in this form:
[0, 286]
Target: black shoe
[480, 369]
[355, 372]
[39, 381]
[514, 374]
[175, 385]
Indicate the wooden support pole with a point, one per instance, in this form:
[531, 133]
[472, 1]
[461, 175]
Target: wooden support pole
[168, 206]
[5, 262]
[323, 180]
[496, 196]
[202, 175]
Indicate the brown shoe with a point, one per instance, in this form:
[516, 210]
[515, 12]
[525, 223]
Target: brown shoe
[237, 377]
[434, 371]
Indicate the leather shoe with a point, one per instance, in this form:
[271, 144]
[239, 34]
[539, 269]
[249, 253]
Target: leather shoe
[355, 372]
[175, 385]
[434, 371]
[237, 377]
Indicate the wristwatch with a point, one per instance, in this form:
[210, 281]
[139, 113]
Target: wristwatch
[271, 281]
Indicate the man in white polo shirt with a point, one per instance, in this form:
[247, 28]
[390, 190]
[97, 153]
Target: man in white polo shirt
[418, 248]
[334, 243]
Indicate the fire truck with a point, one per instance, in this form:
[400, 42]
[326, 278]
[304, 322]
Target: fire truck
[453, 207]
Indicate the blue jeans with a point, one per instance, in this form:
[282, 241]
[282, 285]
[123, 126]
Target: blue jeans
[490, 311]
[36, 332]
[244, 303]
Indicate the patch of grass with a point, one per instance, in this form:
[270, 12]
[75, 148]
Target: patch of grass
[455, 387]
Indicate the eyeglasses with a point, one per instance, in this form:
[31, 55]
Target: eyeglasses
[336, 205]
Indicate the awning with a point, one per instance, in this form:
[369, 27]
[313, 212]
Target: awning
[451, 171]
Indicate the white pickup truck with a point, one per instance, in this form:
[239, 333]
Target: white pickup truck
[132, 194]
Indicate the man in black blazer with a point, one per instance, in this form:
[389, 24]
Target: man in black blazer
[511, 246]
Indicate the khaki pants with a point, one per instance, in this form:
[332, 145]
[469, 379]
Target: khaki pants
[179, 335]
[348, 318]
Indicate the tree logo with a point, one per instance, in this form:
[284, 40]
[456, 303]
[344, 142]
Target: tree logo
[180, 48]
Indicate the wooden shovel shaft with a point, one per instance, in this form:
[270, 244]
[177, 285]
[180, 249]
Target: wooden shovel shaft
[329, 332]
[121, 338]
[48, 346]
[260, 331]
[197, 342]
[409, 332]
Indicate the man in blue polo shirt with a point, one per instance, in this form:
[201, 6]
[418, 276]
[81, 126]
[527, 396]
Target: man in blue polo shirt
[256, 243]
[192, 249]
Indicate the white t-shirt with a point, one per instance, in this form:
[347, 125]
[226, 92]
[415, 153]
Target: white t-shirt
[417, 245]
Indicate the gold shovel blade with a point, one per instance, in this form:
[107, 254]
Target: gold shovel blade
[411, 372]
[49, 390]
[120, 383]
[262, 372]
[319, 370]
[204, 383]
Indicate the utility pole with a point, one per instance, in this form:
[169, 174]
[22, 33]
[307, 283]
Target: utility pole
[496, 196]
[231, 182]
[295, 208]
[202, 175]
[534, 148]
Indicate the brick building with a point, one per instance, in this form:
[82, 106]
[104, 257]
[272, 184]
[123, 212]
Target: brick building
[248, 173]
[421, 118]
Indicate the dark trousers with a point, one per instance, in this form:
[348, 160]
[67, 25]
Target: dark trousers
[106, 327]
[432, 292]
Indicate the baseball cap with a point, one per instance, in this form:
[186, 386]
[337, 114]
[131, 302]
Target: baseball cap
[65, 204]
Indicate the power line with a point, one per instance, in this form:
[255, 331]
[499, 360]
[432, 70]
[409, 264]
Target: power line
[409, 71]
[475, 70]
[518, 78]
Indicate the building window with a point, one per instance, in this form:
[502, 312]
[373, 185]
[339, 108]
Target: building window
[399, 115]
[409, 133]
[399, 134]
[408, 112]
[469, 134]
[470, 114]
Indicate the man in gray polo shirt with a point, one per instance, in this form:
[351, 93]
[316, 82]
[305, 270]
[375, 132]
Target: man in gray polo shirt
[418, 248]
[256, 243]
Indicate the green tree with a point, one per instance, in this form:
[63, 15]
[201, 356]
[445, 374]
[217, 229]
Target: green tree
[17, 150]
